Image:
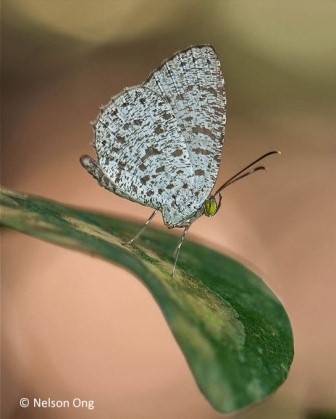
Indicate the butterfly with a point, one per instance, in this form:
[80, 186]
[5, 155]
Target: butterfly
[159, 144]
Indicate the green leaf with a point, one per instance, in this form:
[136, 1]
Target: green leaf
[232, 329]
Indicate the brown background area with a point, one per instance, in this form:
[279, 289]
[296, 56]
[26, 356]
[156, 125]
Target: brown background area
[74, 326]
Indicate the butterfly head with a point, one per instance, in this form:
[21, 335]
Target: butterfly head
[210, 206]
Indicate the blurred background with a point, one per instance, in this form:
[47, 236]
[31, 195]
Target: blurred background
[75, 326]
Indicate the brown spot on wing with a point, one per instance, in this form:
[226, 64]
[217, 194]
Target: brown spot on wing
[199, 172]
[209, 89]
[150, 151]
[160, 169]
[158, 129]
[177, 153]
[198, 129]
[166, 115]
[199, 150]
[120, 139]
[144, 179]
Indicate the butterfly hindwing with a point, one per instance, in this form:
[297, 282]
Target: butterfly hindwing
[142, 152]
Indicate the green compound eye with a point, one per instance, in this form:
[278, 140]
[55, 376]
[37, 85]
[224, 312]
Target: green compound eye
[210, 207]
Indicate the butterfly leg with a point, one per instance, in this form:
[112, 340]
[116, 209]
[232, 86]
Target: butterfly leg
[143, 228]
[177, 250]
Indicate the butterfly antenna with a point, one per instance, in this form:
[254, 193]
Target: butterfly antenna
[241, 174]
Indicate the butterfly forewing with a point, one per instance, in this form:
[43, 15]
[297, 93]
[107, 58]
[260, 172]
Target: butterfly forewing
[192, 82]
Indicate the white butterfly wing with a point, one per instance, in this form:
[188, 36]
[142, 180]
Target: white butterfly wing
[192, 82]
[142, 153]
